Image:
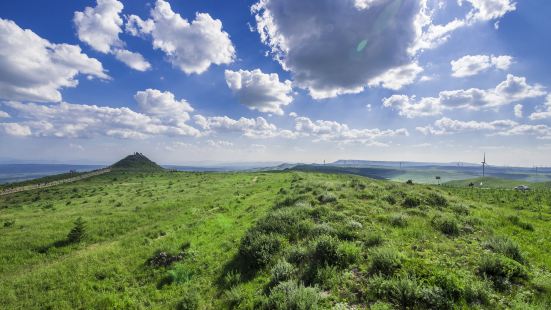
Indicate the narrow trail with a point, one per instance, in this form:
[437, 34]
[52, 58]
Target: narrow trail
[53, 183]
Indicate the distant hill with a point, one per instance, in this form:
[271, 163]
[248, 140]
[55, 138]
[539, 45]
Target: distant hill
[491, 182]
[136, 162]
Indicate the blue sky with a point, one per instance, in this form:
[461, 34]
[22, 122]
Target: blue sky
[276, 80]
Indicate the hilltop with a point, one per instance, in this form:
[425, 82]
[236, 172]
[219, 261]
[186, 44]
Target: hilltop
[136, 162]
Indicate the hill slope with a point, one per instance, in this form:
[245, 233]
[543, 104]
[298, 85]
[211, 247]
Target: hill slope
[136, 162]
[273, 241]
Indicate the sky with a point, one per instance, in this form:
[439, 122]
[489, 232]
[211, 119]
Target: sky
[194, 81]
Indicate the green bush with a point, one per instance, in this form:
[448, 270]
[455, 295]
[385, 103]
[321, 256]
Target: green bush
[282, 271]
[446, 225]
[323, 229]
[292, 296]
[326, 250]
[385, 261]
[505, 246]
[411, 202]
[515, 220]
[327, 198]
[390, 199]
[436, 200]
[78, 232]
[286, 221]
[372, 240]
[502, 271]
[477, 293]
[190, 301]
[258, 248]
[398, 220]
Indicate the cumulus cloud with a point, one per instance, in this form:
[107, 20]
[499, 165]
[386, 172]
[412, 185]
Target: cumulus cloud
[250, 127]
[518, 110]
[396, 78]
[485, 10]
[163, 106]
[100, 26]
[336, 47]
[513, 89]
[32, 68]
[322, 130]
[543, 113]
[15, 129]
[447, 126]
[4, 114]
[191, 47]
[260, 91]
[66, 120]
[474, 64]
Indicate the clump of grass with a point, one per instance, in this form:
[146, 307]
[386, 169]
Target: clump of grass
[282, 271]
[327, 198]
[290, 295]
[390, 199]
[446, 225]
[329, 251]
[258, 248]
[515, 220]
[502, 271]
[411, 202]
[505, 246]
[460, 209]
[190, 301]
[385, 261]
[373, 240]
[436, 200]
[398, 220]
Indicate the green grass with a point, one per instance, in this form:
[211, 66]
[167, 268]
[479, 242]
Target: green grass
[273, 240]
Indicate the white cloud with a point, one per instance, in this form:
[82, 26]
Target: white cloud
[543, 113]
[249, 127]
[485, 10]
[15, 129]
[219, 143]
[474, 64]
[4, 114]
[66, 120]
[518, 110]
[133, 60]
[513, 89]
[447, 126]
[164, 106]
[99, 27]
[323, 130]
[260, 91]
[398, 77]
[336, 47]
[192, 47]
[32, 68]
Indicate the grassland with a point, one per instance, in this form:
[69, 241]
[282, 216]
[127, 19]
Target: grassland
[282, 240]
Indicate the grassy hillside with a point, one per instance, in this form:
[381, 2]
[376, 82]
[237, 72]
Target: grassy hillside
[491, 182]
[290, 240]
[136, 162]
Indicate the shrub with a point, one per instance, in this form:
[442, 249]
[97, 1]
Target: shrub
[398, 220]
[179, 275]
[450, 284]
[282, 271]
[373, 240]
[411, 202]
[292, 296]
[477, 293]
[409, 182]
[460, 209]
[505, 246]
[258, 248]
[327, 198]
[78, 232]
[9, 223]
[325, 250]
[283, 221]
[385, 261]
[232, 278]
[502, 271]
[164, 259]
[402, 291]
[323, 229]
[190, 301]
[390, 199]
[446, 225]
[436, 200]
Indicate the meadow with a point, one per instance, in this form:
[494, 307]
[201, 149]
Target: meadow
[273, 240]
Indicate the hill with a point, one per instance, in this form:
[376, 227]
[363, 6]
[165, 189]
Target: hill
[278, 240]
[492, 182]
[136, 162]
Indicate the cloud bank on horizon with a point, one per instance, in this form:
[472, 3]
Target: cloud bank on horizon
[276, 80]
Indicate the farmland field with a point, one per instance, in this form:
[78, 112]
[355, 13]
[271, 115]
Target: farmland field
[273, 240]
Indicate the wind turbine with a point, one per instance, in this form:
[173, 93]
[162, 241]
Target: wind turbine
[483, 165]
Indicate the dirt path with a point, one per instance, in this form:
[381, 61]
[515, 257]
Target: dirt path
[53, 183]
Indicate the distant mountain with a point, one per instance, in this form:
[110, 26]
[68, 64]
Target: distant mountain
[136, 162]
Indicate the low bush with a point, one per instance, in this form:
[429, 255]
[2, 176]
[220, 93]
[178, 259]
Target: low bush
[282, 271]
[327, 198]
[190, 301]
[390, 199]
[290, 295]
[446, 225]
[436, 200]
[78, 232]
[505, 246]
[398, 220]
[477, 293]
[502, 271]
[164, 259]
[329, 251]
[385, 261]
[258, 248]
[411, 202]
[373, 239]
